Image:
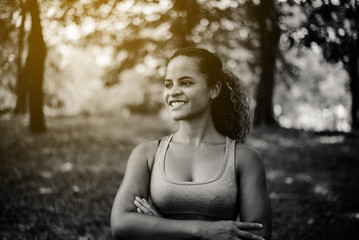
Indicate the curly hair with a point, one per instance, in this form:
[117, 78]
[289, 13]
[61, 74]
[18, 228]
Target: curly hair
[231, 110]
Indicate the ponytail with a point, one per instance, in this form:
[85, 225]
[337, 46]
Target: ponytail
[231, 110]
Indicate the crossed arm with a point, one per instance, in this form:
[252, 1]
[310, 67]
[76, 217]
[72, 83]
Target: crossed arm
[128, 221]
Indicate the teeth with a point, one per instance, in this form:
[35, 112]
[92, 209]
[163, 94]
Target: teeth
[176, 103]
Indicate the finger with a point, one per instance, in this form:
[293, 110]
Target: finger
[143, 208]
[139, 210]
[155, 213]
[139, 199]
[148, 206]
[248, 235]
[143, 204]
[248, 225]
[151, 208]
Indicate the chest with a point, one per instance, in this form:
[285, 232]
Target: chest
[198, 183]
[194, 164]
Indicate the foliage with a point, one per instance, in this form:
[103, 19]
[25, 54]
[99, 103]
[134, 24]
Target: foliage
[7, 57]
[334, 26]
[142, 35]
[316, 97]
[92, 43]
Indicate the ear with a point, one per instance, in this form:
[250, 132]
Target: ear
[215, 90]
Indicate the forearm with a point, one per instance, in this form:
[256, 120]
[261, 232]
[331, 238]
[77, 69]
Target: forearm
[141, 226]
[262, 215]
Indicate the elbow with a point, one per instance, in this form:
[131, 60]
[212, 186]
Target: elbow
[119, 228]
[116, 229]
[267, 233]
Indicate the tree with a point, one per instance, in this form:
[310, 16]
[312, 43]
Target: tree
[269, 36]
[34, 69]
[21, 89]
[334, 25]
[212, 23]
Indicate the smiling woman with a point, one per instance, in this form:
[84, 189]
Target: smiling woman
[200, 182]
[187, 93]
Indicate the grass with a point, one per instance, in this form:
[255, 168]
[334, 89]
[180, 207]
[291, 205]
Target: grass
[61, 184]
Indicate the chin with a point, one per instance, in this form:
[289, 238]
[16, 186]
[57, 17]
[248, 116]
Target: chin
[176, 117]
[179, 117]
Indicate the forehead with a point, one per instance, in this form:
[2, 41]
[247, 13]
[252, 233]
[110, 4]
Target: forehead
[182, 66]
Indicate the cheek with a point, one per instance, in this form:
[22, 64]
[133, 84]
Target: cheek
[164, 97]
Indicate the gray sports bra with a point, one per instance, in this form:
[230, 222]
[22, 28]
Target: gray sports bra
[211, 200]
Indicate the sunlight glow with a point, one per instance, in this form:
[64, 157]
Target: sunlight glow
[45, 190]
[161, 32]
[315, 48]
[323, 190]
[125, 5]
[88, 25]
[66, 167]
[72, 32]
[103, 60]
[151, 62]
[51, 11]
[331, 139]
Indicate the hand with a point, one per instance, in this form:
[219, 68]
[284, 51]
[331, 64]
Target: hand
[229, 230]
[144, 207]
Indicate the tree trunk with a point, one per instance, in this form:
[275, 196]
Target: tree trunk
[35, 65]
[270, 34]
[352, 69]
[183, 26]
[21, 93]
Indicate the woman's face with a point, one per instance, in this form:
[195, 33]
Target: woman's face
[186, 94]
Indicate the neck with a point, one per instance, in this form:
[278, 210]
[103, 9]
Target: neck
[198, 130]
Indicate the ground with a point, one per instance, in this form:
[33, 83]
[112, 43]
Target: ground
[61, 184]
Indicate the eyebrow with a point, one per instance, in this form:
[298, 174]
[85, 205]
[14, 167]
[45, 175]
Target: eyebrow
[181, 78]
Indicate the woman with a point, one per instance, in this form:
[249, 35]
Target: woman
[201, 182]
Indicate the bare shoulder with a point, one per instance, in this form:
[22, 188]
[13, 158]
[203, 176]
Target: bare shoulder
[146, 148]
[145, 151]
[247, 157]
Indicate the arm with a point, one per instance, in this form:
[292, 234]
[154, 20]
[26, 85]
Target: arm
[254, 199]
[127, 223]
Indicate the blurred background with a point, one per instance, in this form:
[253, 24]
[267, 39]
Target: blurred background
[81, 84]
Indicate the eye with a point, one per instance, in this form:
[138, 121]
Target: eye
[186, 83]
[168, 84]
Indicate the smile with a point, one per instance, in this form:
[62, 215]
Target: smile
[176, 103]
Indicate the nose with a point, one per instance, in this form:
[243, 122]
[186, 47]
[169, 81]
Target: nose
[175, 90]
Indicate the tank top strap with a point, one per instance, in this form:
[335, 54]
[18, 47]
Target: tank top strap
[229, 157]
[232, 166]
[161, 150]
[232, 151]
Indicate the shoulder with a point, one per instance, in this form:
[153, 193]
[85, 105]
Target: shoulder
[247, 158]
[146, 149]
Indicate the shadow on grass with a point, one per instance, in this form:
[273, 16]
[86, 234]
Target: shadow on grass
[312, 181]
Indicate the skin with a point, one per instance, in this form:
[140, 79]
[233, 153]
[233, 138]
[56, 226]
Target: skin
[133, 217]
